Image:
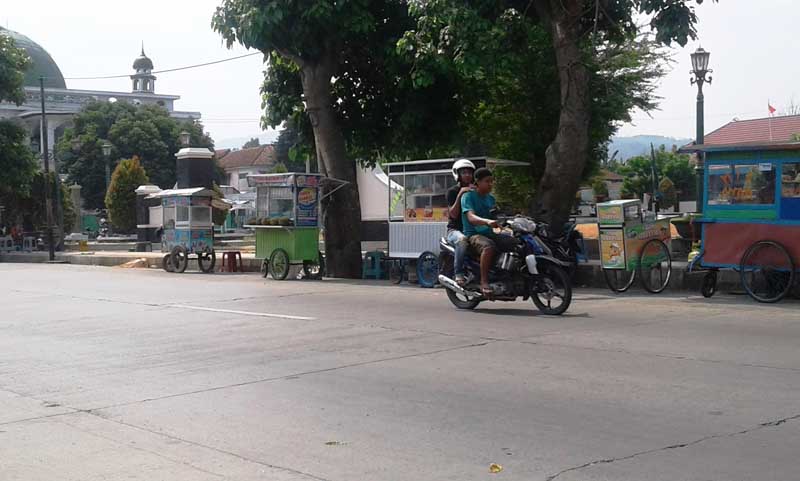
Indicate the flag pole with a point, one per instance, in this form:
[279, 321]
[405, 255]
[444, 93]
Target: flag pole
[769, 109]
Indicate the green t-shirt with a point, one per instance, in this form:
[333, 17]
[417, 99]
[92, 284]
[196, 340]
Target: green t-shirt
[482, 206]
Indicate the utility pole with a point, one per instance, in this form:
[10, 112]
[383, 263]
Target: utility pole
[48, 206]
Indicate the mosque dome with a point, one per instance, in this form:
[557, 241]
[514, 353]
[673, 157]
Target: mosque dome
[42, 64]
[143, 62]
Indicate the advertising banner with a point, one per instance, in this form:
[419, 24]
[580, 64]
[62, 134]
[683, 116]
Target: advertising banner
[429, 214]
[307, 204]
[612, 249]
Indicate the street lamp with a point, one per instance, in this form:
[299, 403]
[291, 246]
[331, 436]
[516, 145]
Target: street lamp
[700, 71]
[185, 138]
[107, 155]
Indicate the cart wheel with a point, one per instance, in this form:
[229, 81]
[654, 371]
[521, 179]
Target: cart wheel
[206, 261]
[655, 266]
[179, 258]
[264, 268]
[709, 286]
[619, 280]
[767, 271]
[314, 270]
[397, 271]
[166, 263]
[427, 269]
[279, 264]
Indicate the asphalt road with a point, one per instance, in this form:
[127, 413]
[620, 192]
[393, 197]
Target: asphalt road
[110, 374]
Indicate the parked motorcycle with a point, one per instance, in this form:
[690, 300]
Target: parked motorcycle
[568, 246]
[529, 271]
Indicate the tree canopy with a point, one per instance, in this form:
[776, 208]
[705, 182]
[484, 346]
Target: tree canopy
[13, 63]
[144, 131]
[670, 165]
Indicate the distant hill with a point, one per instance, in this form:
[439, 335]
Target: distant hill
[640, 145]
[267, 137]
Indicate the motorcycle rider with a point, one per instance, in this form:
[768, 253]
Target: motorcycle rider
[476, 207]
[463, 172]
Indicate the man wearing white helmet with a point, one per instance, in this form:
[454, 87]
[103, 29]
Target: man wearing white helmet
[463, 171]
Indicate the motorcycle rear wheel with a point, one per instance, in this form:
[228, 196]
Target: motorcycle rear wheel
[462, 302]
[557, 286]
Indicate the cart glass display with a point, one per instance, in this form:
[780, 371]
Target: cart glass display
[287, 222]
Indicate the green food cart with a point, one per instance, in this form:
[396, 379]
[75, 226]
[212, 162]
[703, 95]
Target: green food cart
[631, 244]
[287, 223]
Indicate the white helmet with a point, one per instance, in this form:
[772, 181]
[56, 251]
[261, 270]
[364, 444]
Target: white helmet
[462, 164]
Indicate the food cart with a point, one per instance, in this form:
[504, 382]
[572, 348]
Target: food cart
[751, 217]
[418, 213]
[287, 223]
[631, 245]
[188, 228]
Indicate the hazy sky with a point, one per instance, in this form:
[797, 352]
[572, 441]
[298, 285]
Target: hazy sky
[752, 43]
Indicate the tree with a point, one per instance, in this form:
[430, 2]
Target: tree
[253, 142]
[17, 165]
[121, 197]
[335, 75]
[13, 64]
[589, 41]
[145, 131]
[291, 149]
[638, 174]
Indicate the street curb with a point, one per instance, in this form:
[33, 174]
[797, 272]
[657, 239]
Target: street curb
[587, 274]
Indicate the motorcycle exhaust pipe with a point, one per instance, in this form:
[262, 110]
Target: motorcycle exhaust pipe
[453, 286]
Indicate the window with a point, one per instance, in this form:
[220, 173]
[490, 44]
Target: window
[790, 182]
[182, 213]
[169, 217]
[242, 175]
[201, 215]
[281, 202]
[741, 184]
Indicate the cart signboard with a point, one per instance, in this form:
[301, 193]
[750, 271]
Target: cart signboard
[430, 214]
[612, 248]
[307, 203]
[618, 212]
[637, 235]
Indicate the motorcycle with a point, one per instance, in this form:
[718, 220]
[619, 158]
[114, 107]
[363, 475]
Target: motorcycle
[568, 247]
[529, 271]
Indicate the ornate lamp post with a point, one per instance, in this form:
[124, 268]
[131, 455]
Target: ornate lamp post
[185, 138]
[107, 155]
[700, 71]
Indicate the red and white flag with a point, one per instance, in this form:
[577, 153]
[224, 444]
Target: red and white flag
[771, 108]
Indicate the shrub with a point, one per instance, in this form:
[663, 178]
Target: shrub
[121, 195]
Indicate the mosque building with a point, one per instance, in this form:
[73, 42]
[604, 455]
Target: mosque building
[62, 104]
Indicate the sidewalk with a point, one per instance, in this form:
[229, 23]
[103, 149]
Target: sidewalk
[587, 275]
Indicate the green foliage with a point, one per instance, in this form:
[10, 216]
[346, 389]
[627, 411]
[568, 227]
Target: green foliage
[600, 188]
[13, 63]
[17, 165]
[670, 165]
[513, 189]
[279, 168]
[380, 112]
[253, 142]
[121, 197]
[29, 207]
[147, 132]
[291, 149]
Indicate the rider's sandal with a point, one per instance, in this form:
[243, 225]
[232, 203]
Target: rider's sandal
[461, 280]
[487, 292]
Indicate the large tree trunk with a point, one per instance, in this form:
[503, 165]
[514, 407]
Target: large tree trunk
[341, 212]
[566, 156]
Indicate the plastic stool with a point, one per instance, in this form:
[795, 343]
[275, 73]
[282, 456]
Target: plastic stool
[373, 265]
[232, 257]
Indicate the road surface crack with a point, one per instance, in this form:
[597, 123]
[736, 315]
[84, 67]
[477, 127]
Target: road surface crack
[596, 462]
[292, 376]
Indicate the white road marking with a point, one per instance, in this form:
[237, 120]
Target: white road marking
[244, 313]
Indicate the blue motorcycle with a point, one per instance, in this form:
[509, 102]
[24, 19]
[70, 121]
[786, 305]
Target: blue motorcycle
[530, 270]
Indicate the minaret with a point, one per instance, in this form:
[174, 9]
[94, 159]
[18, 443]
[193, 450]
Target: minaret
[143, 79]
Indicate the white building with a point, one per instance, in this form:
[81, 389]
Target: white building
[238, 164]
[61, 103]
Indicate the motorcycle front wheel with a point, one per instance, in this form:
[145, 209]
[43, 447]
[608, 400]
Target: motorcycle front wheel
[551, 292]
